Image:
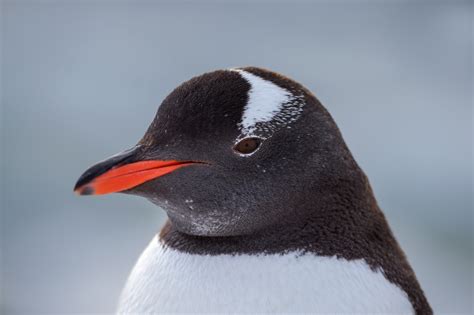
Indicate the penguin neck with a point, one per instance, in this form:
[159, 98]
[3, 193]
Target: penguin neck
[328, 232]
[342, 220]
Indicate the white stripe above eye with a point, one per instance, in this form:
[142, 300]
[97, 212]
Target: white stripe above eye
[266, 100]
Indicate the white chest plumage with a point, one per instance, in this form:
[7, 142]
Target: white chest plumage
[165, 281]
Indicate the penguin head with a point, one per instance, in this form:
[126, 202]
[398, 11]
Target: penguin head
[231, 152]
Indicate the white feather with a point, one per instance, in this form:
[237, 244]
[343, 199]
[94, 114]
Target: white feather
[265, 100]
[165, 280]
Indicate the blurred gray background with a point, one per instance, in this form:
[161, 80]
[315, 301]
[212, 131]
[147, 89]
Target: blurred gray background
[82, 80]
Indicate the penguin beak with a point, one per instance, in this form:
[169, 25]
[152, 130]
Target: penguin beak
[123, 171]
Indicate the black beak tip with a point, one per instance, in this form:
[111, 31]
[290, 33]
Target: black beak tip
[88, 190]
[83, 180]
[102, 167]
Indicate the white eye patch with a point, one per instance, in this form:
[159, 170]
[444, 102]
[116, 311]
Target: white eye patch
[268, 108]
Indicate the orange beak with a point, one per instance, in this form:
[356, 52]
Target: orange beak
[120, 173]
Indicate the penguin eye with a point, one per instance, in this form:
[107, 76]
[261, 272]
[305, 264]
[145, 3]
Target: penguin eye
[247, 145]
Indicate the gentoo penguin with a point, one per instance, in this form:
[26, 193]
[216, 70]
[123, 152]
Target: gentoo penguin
[267, 209]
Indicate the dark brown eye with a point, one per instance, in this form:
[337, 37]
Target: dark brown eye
[247, 145]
